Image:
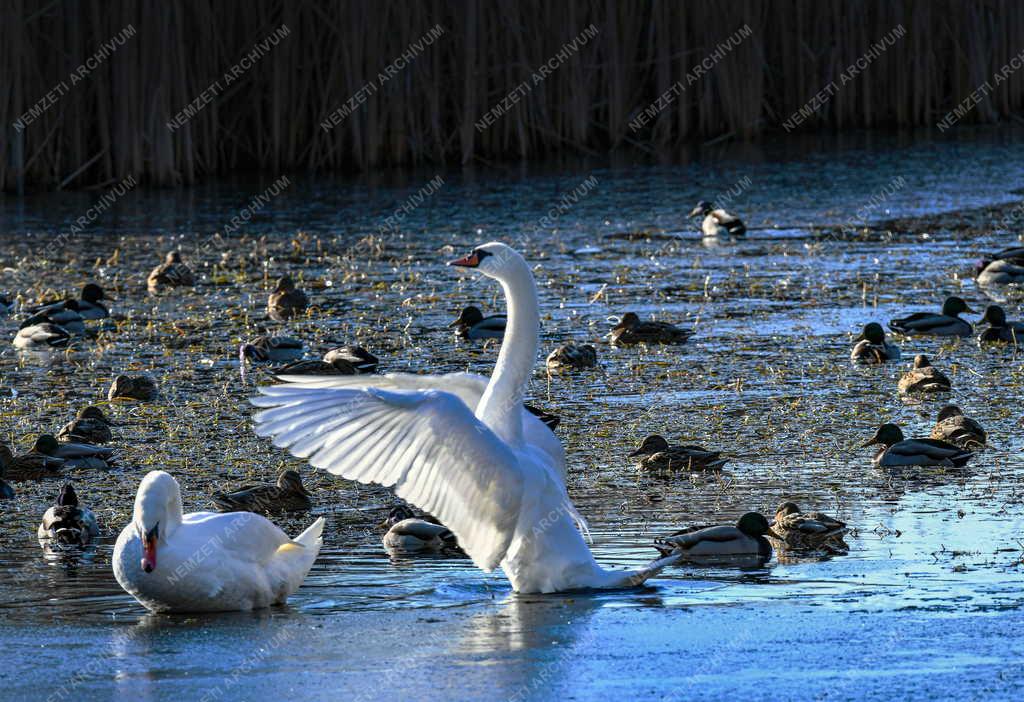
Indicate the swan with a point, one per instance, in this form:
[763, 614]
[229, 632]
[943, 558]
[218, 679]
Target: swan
[458, 446]
[204, 561]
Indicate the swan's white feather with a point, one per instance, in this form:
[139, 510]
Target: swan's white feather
[427, 444]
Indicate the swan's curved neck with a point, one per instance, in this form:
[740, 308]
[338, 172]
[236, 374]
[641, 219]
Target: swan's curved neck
[501, 407]
[159, 503]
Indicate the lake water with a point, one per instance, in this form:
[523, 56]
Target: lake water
[927, 605]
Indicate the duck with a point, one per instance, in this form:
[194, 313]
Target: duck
[1000, 330]
[89, 426]
[872, 346]
[133, 387]
[347, 360]
[946, 323]
[34, 465]
[1001, 273]
[924, 378]
[67, 316]
[895, 450]
[570, 357]
[74, 454]
[408, 533]
[275, 349]
[954, 427]
[459, 446]
[717, 223]
[288, 495]
[39, 333]
[89, 305]
[807, 531]
[471, 324]
[746, 538]
[67, 522]
[1013, 254]
[359, 358]
[286, 301]
[656, 454]
[172, 273]
[630, 330]
[206, 561]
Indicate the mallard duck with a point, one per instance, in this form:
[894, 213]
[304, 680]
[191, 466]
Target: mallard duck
[747, 538]
[1001, 273]
[288, 495]
[172, 273]
[359, 358]
[286, 301]
[89, 426]
[571, 357]
[67, 316]
[88, 305]
[924, 378]
[74, 454]
[630, 330]
[656, 454]
[954, 427]
[348, 360]
[807, 531]
[409, 533]
[137, 387]
[28, 466]
[872, 347]
[946, 323]
[276, 349]
[38, 332]
[1014, 255]
[717, 222]
[472, 324]
[551, 421]
[1000, 330]
[895, 450]
[67, 522]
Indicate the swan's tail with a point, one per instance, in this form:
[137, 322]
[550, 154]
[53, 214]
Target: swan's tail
[294, 558]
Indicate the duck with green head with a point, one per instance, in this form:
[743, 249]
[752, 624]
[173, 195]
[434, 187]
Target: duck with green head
[895, 450]
[67, 522]
[88, 306]
[74, 454]
[945, 323]
[409, 533]
[872, 346]
[1000, 330]
[746, 538]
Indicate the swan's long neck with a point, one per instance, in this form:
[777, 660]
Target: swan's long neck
[159, 501]
[501, 407]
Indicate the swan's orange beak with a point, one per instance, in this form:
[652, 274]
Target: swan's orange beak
[149, 550]
[467, 261]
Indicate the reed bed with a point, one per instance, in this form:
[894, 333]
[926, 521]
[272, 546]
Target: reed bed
[113, 122]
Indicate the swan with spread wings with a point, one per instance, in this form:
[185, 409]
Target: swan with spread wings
[459, 446]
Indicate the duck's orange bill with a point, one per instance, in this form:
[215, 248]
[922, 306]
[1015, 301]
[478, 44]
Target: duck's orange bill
[467, 261]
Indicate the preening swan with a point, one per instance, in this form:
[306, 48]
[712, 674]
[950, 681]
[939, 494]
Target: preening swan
[458, 446]
[204, 561]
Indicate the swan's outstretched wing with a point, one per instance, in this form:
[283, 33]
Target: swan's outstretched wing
[468, 387]
[425, 443]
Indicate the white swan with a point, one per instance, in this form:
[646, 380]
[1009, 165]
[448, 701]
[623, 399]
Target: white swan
[457, 446]
[204, 561]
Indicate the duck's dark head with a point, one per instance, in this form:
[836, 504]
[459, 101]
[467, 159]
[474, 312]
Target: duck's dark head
[285, 284]
[887, 435]
[995, 316]
[948, 412]
[651, 445]
[786, 509]
[253, 352]
[67, 496]
[629, 320]
[398, 513]
[873, 333]
[468, 317]
[93, 412]
[702, 208]
[754, 524]
[291, 481]
[954, 306]
[172, 258]
[93, 293]
[46, 444]
[921, 361]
